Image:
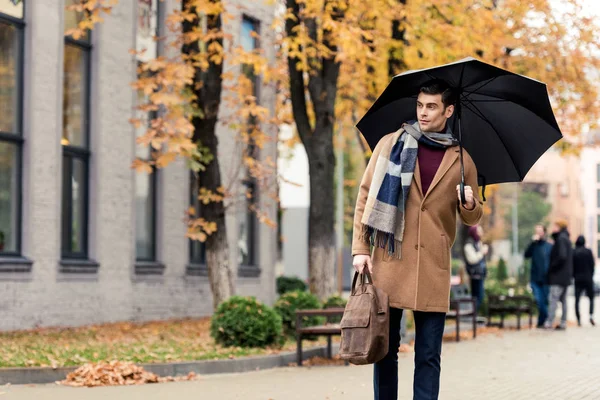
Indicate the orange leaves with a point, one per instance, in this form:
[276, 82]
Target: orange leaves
[91, 12]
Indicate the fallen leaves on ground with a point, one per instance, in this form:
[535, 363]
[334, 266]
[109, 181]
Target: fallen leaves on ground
[323, 361]
[140, 343]
[116, 373]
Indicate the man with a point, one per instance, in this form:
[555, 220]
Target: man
[475, 252]
[560, 273]
[406, 208]
[539, 253]
[583, 272]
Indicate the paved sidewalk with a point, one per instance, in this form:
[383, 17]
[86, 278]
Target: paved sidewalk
[532, 364]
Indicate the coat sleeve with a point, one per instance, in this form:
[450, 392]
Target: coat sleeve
[561, 255]
[471, 217]
[358, 245]
[529, 250]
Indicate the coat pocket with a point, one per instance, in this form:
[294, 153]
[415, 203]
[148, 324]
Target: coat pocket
[446, 252]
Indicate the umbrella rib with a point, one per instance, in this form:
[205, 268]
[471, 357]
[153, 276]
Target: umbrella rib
[482, 85]
[483, 117]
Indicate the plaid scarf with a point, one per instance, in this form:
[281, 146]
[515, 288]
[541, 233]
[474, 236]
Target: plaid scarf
[383, 217]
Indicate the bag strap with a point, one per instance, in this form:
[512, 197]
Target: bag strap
[365, 274]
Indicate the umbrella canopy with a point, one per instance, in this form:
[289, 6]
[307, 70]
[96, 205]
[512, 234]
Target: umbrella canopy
[507, 121]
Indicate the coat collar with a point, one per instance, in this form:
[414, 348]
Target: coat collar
[450, 157]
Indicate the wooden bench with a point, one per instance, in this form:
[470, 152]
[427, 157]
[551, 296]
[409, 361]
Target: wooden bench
[506, 305]
[328, 329]
[462, 305]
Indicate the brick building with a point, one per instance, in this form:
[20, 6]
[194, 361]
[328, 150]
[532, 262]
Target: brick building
[84, 238]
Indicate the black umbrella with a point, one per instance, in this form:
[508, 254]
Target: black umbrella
[505, 120]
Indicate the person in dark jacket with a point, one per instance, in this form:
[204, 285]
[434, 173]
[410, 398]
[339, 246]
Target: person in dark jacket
[560, 273]
[539, 253]
[583, 272]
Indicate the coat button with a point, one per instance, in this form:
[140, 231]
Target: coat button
[416, 247]
[423, 209]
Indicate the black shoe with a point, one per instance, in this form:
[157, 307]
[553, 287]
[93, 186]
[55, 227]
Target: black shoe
[560, 328]
[592, 322]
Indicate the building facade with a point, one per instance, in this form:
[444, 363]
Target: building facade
[83, 237]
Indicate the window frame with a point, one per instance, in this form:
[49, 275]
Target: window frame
[197, 267]
[71, 153]
[17, 138]
[252, 267]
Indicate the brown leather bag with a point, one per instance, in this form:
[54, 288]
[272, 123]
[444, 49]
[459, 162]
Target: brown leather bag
[365, 324]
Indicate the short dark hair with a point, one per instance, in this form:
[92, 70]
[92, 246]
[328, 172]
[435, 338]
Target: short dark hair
[440, 86]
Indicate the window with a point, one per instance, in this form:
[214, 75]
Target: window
[598, 173]
[598, 198]
[75, 141]
[247, 238]
[197, 248]
[11, 135]
[598, 249]
[145, 184]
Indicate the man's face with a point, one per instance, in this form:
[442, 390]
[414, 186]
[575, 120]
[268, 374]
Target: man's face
[431, 113]
[539, 231]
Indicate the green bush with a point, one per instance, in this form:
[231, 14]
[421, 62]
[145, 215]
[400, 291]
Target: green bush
[287, 305]
[246, 322]
[287, 284]
[334, 302]
[456, 266]
[501, 271]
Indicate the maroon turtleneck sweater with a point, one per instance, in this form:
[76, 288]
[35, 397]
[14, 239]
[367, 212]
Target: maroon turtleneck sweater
[429, 159]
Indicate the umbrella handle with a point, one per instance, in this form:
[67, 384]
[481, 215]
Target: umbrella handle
[463, 198]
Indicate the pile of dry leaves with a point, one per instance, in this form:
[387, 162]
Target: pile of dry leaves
[116, 373]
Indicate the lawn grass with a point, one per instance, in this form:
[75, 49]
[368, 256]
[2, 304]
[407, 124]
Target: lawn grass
[150, 342]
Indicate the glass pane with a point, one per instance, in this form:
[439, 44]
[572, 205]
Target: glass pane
[73, 18]
[9, 195]
[598, 198]
[14, 8]
[147, 25]
[598, 223]
[78, 217]
[143, 151]
[248, 41]
[144, 216]
[75, 95]
[246, 234]
[598, 173]
[9, 78]
[74, 197]
[197, 248]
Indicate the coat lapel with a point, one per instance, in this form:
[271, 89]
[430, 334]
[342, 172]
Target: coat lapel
[417, 178]
[449, 159]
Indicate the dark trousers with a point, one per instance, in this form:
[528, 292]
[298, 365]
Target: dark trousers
[428, 347]
[541, 293]
[588, 288]
[477, 291]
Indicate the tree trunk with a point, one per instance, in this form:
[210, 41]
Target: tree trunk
[207, 87]
[321, 231]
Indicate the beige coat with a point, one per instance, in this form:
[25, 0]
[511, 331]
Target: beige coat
[421, 279]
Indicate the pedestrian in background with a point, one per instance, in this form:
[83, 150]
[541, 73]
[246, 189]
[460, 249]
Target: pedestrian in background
[475, 252]
[560, 273]
[583, 272]
[539, 252]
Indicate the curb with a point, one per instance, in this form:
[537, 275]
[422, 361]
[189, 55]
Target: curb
[41, 375]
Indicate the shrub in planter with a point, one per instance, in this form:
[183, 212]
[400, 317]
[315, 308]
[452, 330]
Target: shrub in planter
[287, 284]
[246, 322]
[287, 305]
[335, 301]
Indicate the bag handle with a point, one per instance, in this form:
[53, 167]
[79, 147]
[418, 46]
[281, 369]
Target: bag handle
[365, 274]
